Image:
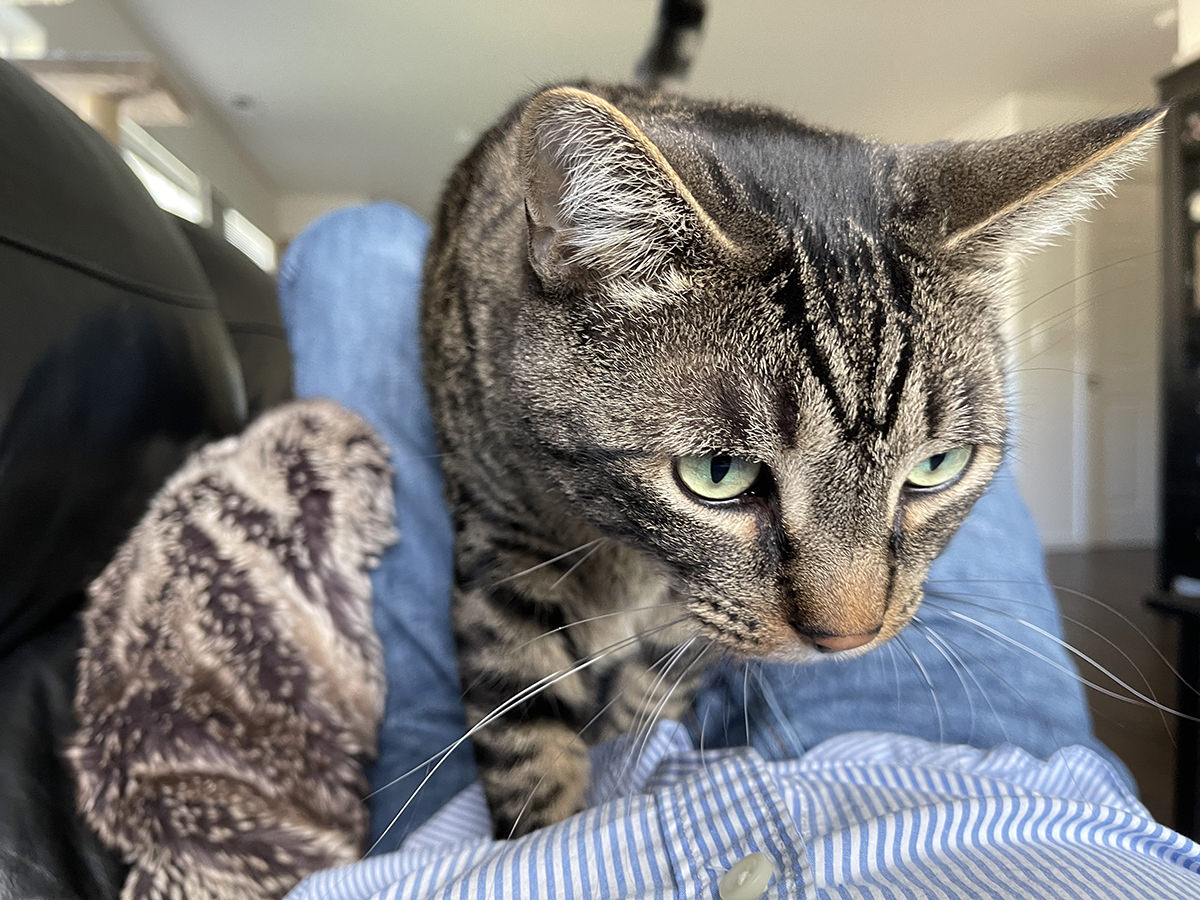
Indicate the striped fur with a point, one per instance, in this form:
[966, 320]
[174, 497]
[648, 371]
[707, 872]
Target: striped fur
[230, 681]
[619, 278]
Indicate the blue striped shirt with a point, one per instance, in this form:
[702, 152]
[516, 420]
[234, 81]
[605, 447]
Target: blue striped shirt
[864, 815]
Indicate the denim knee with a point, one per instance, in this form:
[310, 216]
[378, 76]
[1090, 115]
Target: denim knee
[387, 231]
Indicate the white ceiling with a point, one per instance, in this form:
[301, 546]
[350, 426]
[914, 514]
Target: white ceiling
[379, 97]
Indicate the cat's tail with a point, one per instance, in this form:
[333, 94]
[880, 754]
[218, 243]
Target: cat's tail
[669, 57]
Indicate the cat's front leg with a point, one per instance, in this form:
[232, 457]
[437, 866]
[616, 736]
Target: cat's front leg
[660, 686]
[526, 701]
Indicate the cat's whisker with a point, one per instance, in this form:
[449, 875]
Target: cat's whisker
[924, 631]
[1082, 596]
[620, 693]
[895, 670]
[1013, 344]
[746, 699]
[565, 575]
[792, 745]
[1079, 624]
[666, 699]
[572, 624]
[507, 706]
[1053, 320]
[520, 697]
[642, 719]
[1052, 369]
[973, 716]
[580, 665]
[703, 728]
[672, 656]
[979, 661]
[576, 622]
[548, 562]
[1078, 278]
[1138, 698]
[1022, 365]
[937, 707]
[948, 650]
[579, 739]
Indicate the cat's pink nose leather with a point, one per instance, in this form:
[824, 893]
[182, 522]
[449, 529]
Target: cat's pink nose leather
[833, 642]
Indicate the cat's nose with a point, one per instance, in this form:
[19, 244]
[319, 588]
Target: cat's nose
[832, 643]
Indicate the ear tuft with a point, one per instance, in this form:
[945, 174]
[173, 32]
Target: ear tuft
[604, 205]
[1017, 193]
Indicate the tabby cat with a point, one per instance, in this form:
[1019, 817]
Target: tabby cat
[708, 380]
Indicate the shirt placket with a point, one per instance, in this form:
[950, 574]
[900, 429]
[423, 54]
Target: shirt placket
[717, 819]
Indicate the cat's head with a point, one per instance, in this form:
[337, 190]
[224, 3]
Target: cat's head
[770, 356]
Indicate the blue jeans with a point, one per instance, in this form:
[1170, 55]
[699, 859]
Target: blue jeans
[982, 665]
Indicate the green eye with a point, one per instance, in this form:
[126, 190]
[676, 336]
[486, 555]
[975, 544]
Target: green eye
[717, 476]
[939, 468]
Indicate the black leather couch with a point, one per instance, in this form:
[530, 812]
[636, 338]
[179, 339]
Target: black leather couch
[127, 337]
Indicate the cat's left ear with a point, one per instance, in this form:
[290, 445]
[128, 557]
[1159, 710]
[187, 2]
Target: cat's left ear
[605, 207]
[994, 198]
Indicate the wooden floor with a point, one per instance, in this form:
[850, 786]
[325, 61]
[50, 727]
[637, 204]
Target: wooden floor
[1141, 736]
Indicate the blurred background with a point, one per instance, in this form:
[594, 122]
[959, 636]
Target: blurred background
[253, 117]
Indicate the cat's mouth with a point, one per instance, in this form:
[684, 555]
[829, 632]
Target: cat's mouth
[788, 639]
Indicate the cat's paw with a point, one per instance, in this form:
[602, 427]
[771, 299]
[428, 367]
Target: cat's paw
[543, 782]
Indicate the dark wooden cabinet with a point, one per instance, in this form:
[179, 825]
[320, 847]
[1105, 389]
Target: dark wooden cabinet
[1179, 553]
[1180, 517]
[1179, 524]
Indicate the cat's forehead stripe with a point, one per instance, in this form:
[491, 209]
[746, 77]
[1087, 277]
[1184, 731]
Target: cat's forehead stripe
[796, 314]
[849, 306]
[787, 414]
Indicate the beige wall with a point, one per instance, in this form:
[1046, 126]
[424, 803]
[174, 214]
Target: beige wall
[1084, 349]
[298, 210]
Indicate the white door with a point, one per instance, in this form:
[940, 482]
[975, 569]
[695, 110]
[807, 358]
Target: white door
[1084, 346]
[1124, 400]
[1048, 351]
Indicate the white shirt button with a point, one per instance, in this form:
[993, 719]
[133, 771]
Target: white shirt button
[747, 879]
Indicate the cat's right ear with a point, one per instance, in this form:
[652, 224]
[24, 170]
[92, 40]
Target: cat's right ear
[605, 208]
[992, 199]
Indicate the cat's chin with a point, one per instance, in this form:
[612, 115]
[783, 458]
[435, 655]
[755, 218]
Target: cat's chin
[789, 649]
[802, 652]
